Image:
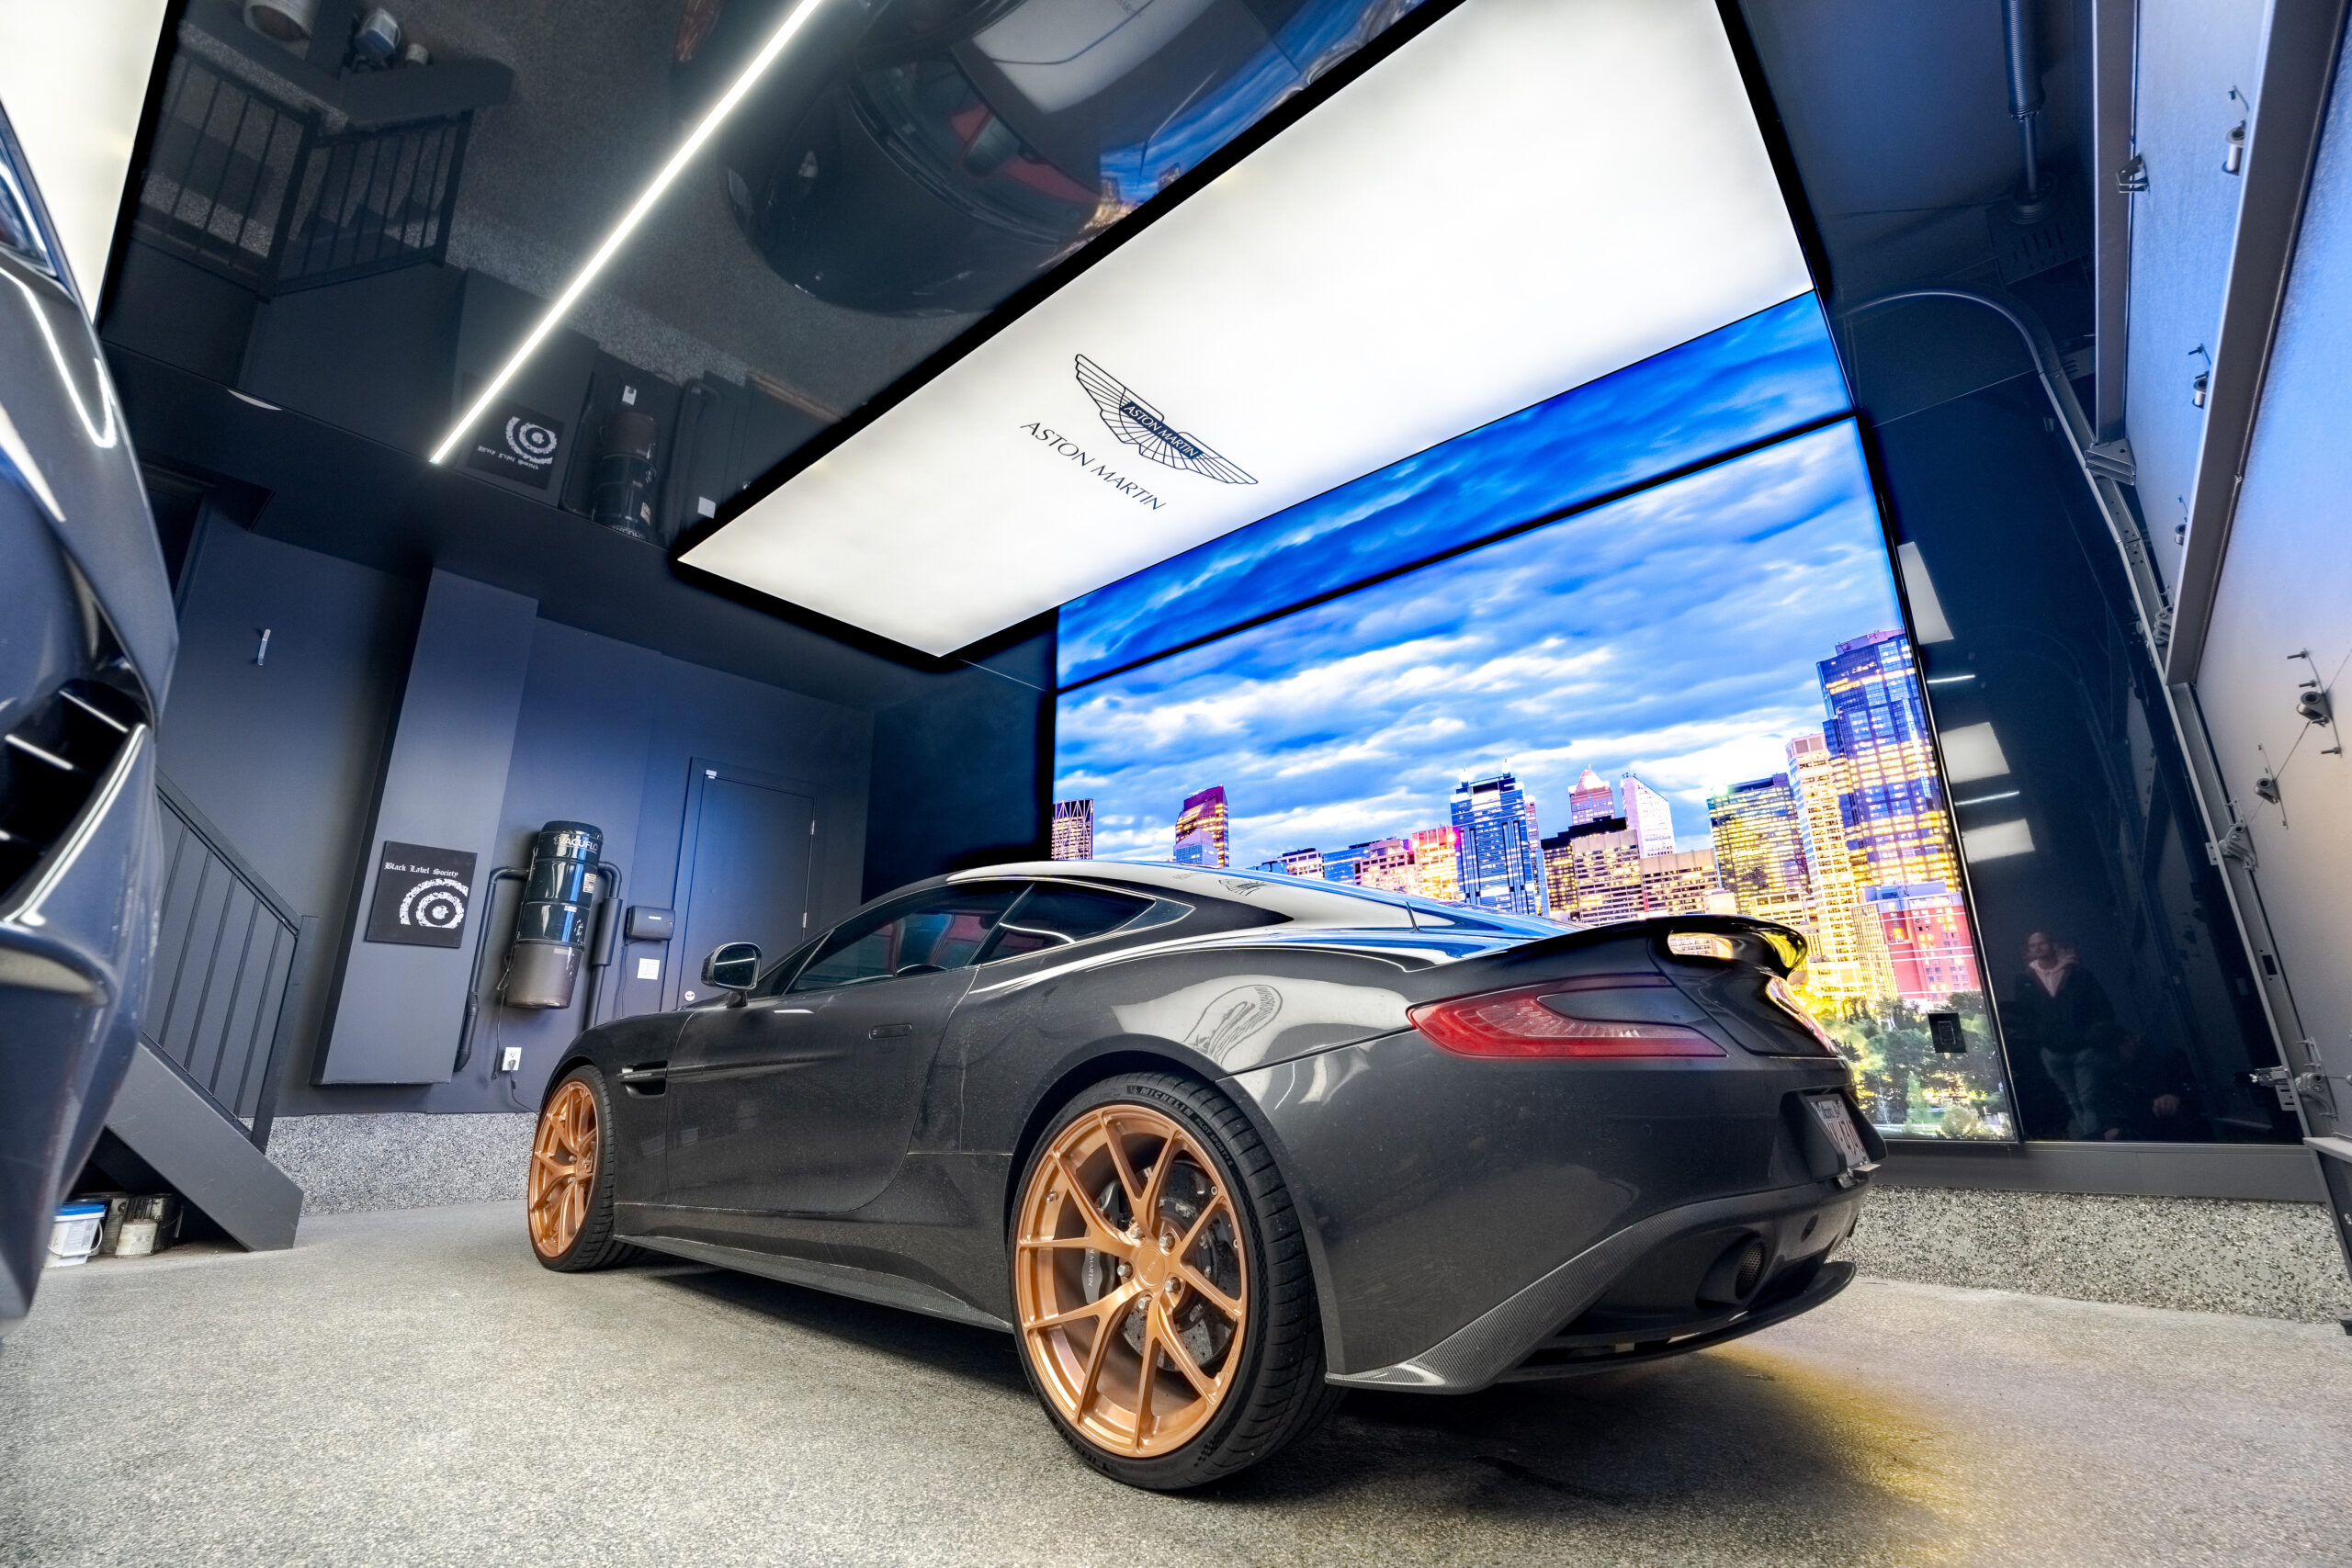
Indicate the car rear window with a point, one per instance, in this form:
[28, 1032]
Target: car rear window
[1056, 917]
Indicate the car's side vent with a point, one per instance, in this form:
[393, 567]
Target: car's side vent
[50, 761]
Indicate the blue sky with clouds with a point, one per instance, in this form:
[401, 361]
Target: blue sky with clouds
[1674, 633]
[1742, 383]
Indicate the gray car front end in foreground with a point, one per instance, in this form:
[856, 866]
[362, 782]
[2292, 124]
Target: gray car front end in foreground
[86, 643]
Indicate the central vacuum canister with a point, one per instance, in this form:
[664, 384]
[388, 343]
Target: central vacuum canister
[559, 909]
[623, 497]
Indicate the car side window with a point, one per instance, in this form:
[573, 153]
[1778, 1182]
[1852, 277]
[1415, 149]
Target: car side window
[1056, 917]
[772, 984]
[940, 930]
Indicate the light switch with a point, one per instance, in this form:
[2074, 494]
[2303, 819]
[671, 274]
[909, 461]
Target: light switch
[649, 969]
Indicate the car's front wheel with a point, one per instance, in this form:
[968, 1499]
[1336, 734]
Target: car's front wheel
[570, 1195]
[1167, 1310]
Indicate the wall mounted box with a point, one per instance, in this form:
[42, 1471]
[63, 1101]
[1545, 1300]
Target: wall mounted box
[649, 924]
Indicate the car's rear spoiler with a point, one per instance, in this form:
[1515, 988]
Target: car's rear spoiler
[1763, 943]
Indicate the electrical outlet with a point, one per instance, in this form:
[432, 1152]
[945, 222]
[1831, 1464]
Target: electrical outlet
[510, 1060]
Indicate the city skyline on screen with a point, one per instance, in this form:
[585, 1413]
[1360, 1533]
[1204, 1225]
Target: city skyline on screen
[1698, 696]
[1672, 635]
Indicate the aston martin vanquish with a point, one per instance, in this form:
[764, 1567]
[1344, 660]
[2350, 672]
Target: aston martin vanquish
[1216, 1147]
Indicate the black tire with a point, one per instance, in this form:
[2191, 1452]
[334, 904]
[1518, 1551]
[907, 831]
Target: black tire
[592, 1247]
[1279, 1395]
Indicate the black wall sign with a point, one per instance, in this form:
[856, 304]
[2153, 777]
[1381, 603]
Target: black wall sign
[420, 895]
[518, 443]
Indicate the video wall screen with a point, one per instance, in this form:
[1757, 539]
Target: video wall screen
[1634, 652]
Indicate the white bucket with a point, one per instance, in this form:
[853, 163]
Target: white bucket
[76, 1235]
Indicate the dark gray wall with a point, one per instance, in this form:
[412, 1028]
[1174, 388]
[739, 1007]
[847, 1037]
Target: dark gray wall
[960, 773]
[610, 734]
[284, 757]
[289, 760]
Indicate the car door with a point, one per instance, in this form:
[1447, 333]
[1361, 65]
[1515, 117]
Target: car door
[802, 1100]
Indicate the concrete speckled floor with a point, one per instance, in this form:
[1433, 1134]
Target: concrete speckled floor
[409, 1387]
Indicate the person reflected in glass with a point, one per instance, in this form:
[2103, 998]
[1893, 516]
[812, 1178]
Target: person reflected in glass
[2055, 1006]
[2149, 1094]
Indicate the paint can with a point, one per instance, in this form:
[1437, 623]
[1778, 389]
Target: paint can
[138, 1238]
[75, 1234]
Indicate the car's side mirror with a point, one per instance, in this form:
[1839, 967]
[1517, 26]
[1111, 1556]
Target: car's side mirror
[732, 966]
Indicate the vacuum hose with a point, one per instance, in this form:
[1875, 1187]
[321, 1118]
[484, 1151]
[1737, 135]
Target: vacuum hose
[2023, 45]
[473, 975]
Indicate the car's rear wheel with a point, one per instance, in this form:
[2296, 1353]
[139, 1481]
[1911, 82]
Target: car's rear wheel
[570, 1196]
[1167, 1310]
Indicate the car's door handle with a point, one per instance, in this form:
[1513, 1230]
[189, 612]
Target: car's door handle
[889, 1030]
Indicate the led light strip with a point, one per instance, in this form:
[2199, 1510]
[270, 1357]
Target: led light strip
[627, 225]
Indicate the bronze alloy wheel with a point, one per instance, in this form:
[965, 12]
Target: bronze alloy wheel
[1130, 1280]
[563, 1167]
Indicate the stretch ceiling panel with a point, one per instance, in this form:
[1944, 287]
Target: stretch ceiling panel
[1529, 195]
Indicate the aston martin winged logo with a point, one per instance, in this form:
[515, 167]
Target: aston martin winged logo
[1140, 425]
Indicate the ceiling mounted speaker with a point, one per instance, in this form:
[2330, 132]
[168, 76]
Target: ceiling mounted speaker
[288, 21]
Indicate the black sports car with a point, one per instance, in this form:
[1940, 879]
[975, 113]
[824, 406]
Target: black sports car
[1219, 1146]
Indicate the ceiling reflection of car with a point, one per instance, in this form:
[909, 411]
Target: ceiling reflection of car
[958, 150]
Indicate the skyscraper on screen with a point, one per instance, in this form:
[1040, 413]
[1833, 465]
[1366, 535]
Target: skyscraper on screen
[1500, 860]
[1684, 882]
[1898, 831]
[1602, 861]
[1386, 864]
[1847, 959]
[1759, 850]
[1891, 800]
[1925, 927]
[1073, 829]
[1560, 872]
[1295, 862]
[1591, 800]
[1201, 829]
[1648, 816]
[1437, 870]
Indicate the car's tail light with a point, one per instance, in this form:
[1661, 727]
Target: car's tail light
[1542, 1020]
[1785, 997]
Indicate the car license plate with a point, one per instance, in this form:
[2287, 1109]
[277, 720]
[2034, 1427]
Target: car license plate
[1838, 1123]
